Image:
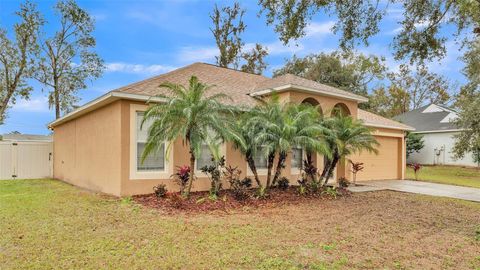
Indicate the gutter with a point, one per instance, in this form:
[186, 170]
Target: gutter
[438, 131]
[101, 101]
[389, 127]
[309, 90]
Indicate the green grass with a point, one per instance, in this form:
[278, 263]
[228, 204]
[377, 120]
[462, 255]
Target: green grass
[47, 224]
[453, 175]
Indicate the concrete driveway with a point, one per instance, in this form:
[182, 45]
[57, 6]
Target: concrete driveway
[419, 187]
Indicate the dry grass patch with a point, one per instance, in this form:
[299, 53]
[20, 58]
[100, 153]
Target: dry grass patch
[48, 224]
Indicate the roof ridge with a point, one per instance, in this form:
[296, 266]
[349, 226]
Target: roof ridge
[232, 69]
[154, 77]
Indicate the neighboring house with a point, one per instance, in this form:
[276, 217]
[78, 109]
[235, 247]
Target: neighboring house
[17, 137]
[98, 146]
[436, 124]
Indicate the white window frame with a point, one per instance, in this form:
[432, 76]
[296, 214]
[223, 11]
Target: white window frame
[223, 152]
[297, 170]
[142, 175]
[260, 171]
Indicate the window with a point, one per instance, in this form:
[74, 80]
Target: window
[259, 158]
[155, 161]
[297, 158]
[205, 158]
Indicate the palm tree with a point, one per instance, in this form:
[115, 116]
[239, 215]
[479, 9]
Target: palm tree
[285, 126]
[189, 114]
[346, 136]
[243, 135]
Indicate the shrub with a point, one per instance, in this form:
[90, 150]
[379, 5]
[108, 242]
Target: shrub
[214, 173]
[283, 183]
[309, 171]
[261, 193]
[160, 190]
[356, 167]
[477, 233]
[343, 182]
[302, 187]
[181, 177]
[330, 191]
[416, 168]
[238, 187]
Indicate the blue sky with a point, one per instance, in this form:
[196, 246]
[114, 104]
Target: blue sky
[140, 39]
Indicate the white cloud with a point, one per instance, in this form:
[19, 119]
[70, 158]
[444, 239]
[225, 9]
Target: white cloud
[319, 29]
[34, 104]
[197, 54]
[137, 68]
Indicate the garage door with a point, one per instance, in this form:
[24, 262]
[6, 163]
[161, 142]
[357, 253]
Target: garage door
[381, 166]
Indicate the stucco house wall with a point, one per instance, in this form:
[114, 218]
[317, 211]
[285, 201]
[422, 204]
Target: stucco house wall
[95, 147]
[439, 140]
[87, 150]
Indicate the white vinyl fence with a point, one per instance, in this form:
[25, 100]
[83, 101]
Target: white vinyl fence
[25, 160]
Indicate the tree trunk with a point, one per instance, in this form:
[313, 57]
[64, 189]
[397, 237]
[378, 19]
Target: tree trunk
[253, 168]
[282, 156]
[313, 176]
[270, 158]
[192, 173]
[333, 165]
[326, 167]
[56, 98]
[4, 104]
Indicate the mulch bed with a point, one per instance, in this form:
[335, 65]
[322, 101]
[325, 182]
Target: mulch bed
[199, 202]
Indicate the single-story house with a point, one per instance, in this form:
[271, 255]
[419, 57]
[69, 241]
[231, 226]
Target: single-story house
[98, 145]
[436, 123]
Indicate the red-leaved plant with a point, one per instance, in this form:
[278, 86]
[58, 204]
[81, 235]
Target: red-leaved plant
[181, 177]
[356, 167]
[416, 168]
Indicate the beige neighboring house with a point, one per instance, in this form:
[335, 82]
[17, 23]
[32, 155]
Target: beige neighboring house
[98, 146]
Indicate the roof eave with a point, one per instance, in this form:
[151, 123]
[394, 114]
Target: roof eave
[287, 87]
[99, 102]
[438, 131]
[388, 127]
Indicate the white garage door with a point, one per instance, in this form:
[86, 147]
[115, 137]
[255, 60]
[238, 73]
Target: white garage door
[25, 160]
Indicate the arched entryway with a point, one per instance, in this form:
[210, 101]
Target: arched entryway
[341, 109]
[314, 103]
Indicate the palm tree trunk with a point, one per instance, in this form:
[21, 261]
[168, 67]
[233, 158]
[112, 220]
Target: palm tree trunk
[253, 168]
[270, 159]
[325, 170]
[282, 156]
[310, 164]
[333, 165]
[192, 173]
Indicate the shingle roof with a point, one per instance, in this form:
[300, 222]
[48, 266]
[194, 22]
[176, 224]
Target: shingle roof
[290, 79]
[234, 83]
[428, 121]
[378, 121]
[240, 86]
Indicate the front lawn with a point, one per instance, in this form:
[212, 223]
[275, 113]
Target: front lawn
[453, 175]
[48, 224]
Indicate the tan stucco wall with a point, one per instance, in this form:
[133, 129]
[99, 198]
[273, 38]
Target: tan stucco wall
[87, 150]
[326, 103]
[93, 151]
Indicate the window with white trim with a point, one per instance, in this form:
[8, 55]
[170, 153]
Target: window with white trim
[297, 158]
[155, 161]
[260, 159]
[205, 158]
